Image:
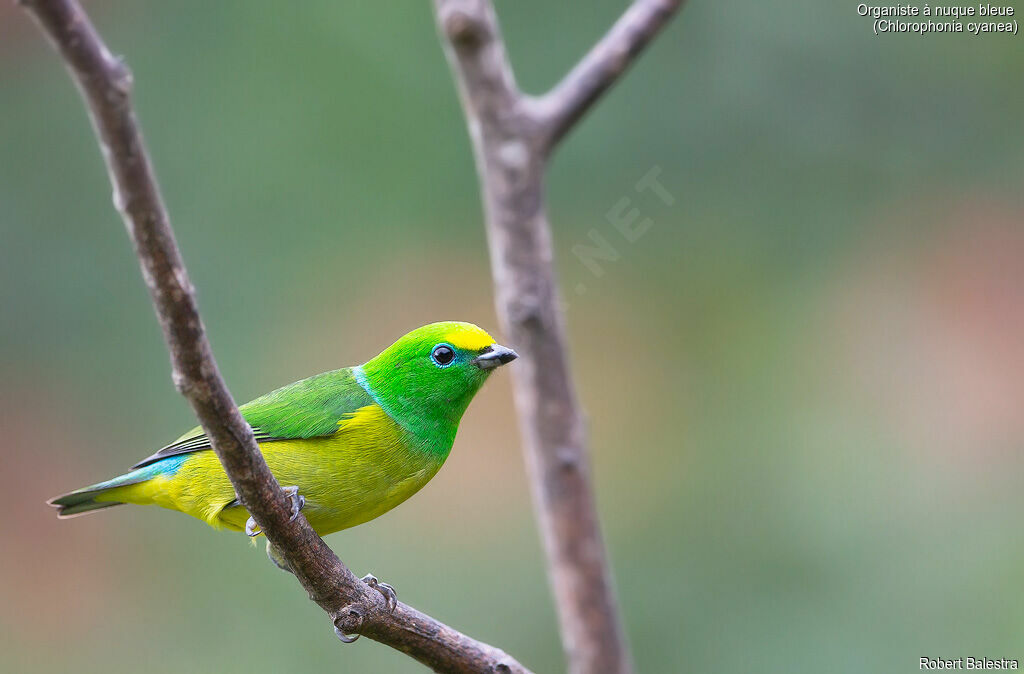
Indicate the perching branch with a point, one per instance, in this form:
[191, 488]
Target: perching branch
[512, 136]
[354, 608]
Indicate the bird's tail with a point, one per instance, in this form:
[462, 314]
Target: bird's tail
[97, 496]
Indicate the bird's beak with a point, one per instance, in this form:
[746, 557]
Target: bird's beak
[494, 356]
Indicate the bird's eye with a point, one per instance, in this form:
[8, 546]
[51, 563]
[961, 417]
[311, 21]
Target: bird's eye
[442, 355]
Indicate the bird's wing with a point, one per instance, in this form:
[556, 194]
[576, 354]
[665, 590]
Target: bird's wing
[306, 409]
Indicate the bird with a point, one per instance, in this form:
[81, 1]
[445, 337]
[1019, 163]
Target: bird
[349, 444]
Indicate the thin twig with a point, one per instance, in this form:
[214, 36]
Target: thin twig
[354, 608]
[566, 103]
[512, 136]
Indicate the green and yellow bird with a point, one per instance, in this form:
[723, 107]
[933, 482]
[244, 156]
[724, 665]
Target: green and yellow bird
[349, 445]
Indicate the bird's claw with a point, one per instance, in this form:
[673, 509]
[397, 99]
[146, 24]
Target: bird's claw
[251, 528]
[390, 596]
[298, 502]
[345, 638]
[390, 600]
[348, 638]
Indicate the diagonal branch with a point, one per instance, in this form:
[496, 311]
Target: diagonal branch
[565, 104]
[512, 136]
[105, 83]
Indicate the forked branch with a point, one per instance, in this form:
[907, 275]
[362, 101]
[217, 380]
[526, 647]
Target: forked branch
[565, 104]
[513, 135]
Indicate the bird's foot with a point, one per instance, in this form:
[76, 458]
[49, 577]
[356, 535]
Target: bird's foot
[390, 596]
[252, 529]
[298, 502]
[390, 600]
[345, 638]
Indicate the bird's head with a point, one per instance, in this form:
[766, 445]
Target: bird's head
[430, 375]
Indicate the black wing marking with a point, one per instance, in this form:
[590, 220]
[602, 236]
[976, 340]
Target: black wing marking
[193, 443]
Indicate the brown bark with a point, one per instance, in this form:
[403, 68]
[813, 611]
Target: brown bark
[513, 135]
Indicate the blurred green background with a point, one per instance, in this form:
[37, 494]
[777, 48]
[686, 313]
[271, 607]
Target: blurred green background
[805, 382]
